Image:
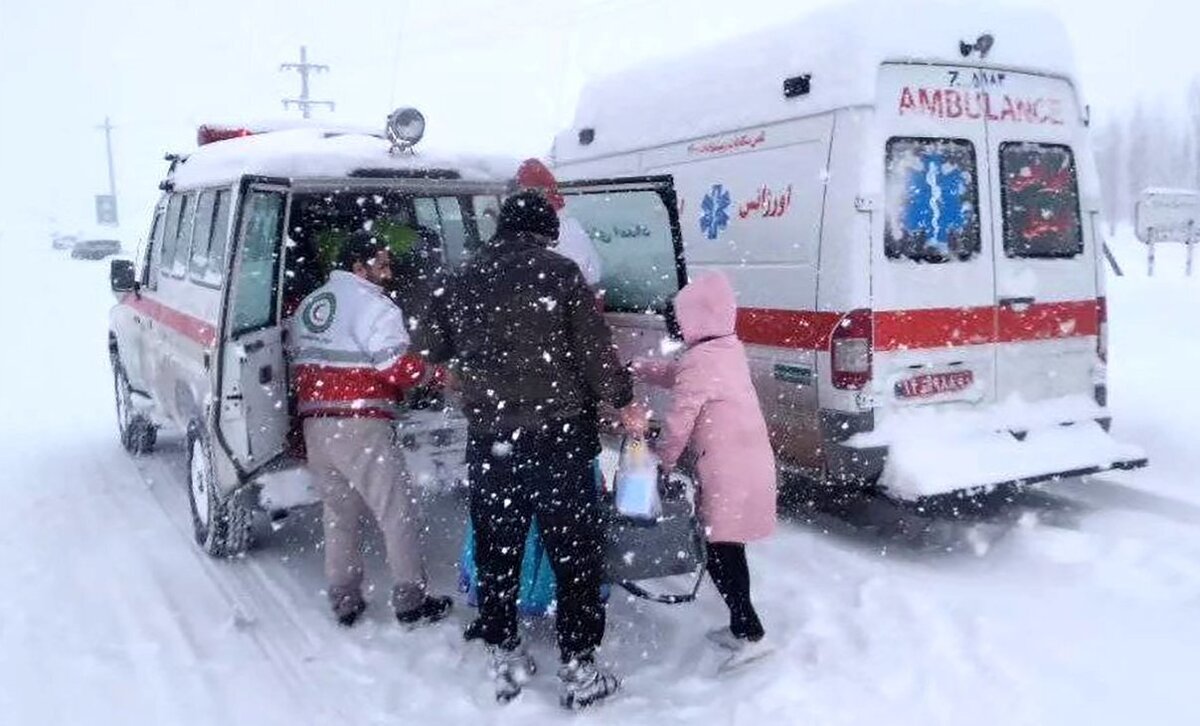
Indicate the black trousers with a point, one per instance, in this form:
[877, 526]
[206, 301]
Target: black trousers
[729, 572]
[545, 474]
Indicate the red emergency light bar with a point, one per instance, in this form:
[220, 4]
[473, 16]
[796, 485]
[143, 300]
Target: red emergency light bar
[207, 134]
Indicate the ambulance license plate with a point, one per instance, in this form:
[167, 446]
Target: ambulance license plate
[929, 385]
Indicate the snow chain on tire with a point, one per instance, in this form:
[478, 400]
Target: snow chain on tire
[138, 435]
[227, 532]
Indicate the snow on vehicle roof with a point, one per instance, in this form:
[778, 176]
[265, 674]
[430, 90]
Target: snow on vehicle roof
[316, 153]
[738, 84]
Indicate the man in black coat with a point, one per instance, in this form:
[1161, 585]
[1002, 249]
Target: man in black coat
[534, 360]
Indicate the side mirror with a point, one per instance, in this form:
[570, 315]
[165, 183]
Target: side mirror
[122, 276]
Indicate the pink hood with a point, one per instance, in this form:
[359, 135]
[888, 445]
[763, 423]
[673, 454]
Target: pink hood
[706, 308]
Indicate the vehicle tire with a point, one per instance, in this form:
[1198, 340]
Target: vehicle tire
[221, 523]
[138, 434]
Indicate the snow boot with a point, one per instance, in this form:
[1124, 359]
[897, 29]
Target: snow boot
[746, 652]
[724, 638]
[583, 683]
[511, 668]
[431, 610]
[473, 631]
[347, 608]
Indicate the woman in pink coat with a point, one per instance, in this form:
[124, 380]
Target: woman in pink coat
[714, 410]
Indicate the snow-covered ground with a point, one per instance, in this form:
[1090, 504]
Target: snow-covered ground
[1078, 604]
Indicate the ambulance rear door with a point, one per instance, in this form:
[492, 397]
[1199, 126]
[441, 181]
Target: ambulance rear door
[932, 277]
[1045, 251]
[252, 411]
[633, 224]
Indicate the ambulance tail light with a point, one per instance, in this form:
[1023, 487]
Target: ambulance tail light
[208, 134]
[850, 351]
[1102, 328]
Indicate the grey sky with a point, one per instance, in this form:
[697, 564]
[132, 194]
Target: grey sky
[490, 75]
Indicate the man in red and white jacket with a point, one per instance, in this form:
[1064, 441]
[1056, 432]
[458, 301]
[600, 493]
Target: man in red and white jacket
[351, 368]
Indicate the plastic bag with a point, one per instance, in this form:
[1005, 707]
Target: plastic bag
[637, 482]
[536, 595]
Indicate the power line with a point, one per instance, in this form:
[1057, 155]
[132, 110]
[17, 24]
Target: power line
[304, 68]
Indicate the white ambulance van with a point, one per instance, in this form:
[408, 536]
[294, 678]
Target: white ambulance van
[905, 199]
[242, 232]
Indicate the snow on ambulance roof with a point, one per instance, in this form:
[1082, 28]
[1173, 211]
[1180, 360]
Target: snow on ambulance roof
[740, 83]
[318, 153]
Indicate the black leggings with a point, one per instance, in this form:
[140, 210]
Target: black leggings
[729, 572]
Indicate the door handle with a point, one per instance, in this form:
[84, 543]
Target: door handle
[265, 375]
[1016, 302]
[254, 346]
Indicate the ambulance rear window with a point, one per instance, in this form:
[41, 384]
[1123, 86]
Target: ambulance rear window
[1040, 196]
[932, 200]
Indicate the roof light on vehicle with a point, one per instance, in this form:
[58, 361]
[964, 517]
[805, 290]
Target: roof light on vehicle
[405, 127]
[208, 134]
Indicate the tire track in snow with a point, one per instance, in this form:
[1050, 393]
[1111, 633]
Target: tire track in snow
[256, 609]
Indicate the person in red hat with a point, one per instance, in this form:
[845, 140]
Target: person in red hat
[573, 241]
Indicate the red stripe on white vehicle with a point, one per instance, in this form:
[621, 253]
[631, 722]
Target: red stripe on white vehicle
[925, 328]
[190, 327]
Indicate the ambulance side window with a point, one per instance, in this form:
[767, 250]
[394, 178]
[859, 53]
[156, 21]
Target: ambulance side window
[1040, 198]
[210, 238]
[220, 239]
[202, 234]
[149, 277]
[166, 251]
[183, 240]
[932, 200]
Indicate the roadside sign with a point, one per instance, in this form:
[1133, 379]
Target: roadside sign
[106, 210]
[1168, 215]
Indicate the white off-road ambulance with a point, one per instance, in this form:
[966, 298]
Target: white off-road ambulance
[905, 198]
[247, 225]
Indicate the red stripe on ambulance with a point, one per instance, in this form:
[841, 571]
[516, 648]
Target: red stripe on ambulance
[188, 326]
[927, 328]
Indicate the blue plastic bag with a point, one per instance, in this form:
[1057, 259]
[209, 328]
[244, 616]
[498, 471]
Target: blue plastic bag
[537, 592]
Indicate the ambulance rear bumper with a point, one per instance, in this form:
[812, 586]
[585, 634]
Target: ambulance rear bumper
[970, 462]
[852, 465]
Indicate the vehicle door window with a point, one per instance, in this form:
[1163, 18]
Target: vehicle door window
[183, 240]
[149, 259]
[427, 213]
[632, 233]
[220, 239]
[453, 229]
[1040, 198]
[445, 216]
[166, 251]
[932, 200]
[202, 235]
[486, 214]
[253, 305]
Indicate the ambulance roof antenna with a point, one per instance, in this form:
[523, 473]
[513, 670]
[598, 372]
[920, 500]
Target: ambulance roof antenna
[304, 68]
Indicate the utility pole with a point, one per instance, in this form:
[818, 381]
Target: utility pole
[304, 68]
[106, 210]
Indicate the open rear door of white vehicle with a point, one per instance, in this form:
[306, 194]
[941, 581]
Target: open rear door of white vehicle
[632, 224]
[252, 416]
